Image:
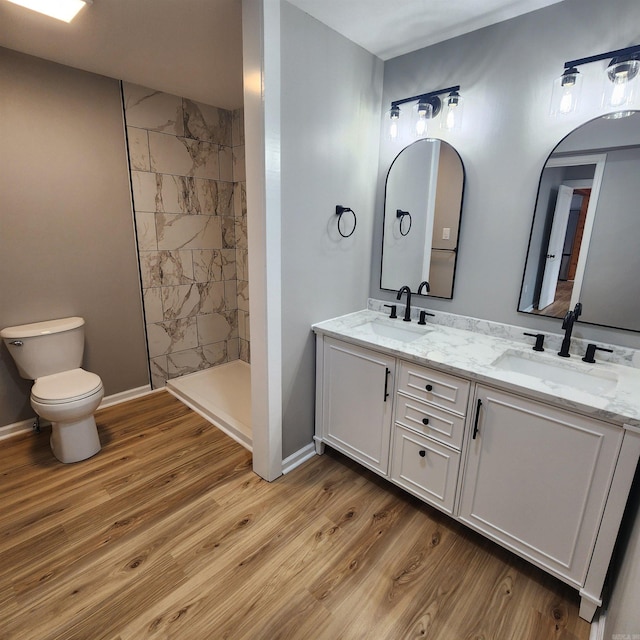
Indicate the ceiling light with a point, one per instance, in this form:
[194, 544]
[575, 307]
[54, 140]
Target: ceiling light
[65, 10]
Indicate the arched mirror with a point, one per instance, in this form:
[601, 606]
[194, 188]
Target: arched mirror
[422, 208]
[585, 237]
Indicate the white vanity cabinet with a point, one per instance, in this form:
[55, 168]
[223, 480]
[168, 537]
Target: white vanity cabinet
[355, 402]
[548, 483]
[430, 411]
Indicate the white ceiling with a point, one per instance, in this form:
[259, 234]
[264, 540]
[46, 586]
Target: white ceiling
[193, 48]
[390, 28]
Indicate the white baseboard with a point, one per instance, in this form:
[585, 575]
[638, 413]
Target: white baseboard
[297, 458]
[24, 426]
[123, 396]
[14, 429]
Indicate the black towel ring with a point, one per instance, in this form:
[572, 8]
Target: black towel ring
[339, 211]
[402, 215]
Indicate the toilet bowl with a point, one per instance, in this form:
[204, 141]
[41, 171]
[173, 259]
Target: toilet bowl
[69, 399]
[50, 354]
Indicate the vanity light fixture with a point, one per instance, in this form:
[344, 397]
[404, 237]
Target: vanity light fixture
[65, 10]
[620, 84]
[427, 106]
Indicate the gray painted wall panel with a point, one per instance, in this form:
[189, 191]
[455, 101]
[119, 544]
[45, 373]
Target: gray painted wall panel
[330, 111]
[66, 236]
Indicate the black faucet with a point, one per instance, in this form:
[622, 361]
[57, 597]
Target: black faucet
[424, 284]
[407, 311]
[567, 325]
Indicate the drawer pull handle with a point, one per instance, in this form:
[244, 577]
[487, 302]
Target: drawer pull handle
[429, 387]
[386, 383]
[425, 420]
[422, 453]
[475, 424]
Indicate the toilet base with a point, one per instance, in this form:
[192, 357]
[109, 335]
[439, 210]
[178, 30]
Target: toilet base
[75, 441]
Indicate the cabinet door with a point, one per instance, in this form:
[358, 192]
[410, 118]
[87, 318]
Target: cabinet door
[537, 479]
[357, 402]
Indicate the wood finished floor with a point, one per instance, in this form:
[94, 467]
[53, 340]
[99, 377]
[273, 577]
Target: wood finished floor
[167, 533]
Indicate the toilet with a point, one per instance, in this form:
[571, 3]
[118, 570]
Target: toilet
[50, 354]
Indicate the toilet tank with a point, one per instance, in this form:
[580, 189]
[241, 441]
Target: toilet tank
[43, 348]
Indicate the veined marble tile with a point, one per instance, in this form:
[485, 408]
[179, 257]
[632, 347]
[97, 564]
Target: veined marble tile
[149, 109]
[152, 299]
[242, 326]
[225, 157]
[167, 337]
[146, 231]
[159, 375]
[214, 197]
[188, 231]
[191, 360]
[245, 351]
[144, 191]
[233, 349]
[184, 301]
[239, 173]
[228, 232]
[242, 264]
[216, 327]
[183, 156]
[237, 127]
[166, 268]
[138, 145]
[243, 295]
[239, 199]
[176, 194]
[228, 264]
[230, 294]
[208, 265]
[241, 233]
[205, 122]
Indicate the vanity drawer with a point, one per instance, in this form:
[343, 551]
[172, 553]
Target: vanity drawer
[434, 387]
[429, 420]
[425, 468]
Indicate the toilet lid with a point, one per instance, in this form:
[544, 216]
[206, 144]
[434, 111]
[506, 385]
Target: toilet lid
[63, 387]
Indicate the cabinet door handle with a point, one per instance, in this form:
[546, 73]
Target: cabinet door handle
[425, 420]
[475, 424]
[429, 387]
[422, 453]
[386, 383]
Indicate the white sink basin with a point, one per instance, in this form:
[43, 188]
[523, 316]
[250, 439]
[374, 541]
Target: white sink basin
[403, 332]
[596, 382]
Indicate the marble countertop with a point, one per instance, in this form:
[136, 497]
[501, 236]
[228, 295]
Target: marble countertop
[476, 356]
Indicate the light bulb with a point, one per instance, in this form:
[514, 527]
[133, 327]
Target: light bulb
[566, 92]
[452, 118]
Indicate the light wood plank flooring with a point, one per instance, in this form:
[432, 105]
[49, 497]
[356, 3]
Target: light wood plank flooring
[167, 533]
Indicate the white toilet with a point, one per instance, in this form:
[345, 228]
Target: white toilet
[50, 353]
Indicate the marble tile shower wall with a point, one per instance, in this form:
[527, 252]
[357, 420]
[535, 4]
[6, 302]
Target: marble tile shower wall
[189, 197]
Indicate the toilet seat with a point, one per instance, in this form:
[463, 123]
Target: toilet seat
[67, 386]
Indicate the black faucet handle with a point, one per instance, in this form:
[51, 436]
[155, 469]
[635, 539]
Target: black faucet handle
[394, 310]
[423, 316]
[591, 350]
[539, 340]
[424, 285]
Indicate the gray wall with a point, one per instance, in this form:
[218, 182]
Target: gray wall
[330, 92]
[66, 231]
[506, 79]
